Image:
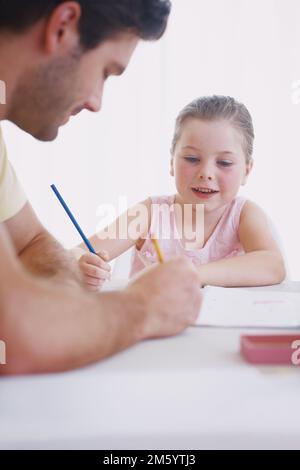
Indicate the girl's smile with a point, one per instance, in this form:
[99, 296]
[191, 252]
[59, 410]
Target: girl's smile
[204, 192]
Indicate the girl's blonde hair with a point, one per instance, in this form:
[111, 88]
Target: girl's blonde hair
[211, 108]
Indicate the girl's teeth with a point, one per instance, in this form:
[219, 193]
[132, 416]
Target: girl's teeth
[204, 190]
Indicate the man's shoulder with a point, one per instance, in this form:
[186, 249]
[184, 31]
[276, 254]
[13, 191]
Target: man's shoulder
[12, 196]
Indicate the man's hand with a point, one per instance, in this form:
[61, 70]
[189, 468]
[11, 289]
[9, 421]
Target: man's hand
[51, 327]
[171, 296]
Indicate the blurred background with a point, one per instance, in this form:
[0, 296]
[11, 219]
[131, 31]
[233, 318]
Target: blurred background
[249, 49]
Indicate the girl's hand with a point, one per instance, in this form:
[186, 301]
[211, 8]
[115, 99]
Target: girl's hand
[95, 269]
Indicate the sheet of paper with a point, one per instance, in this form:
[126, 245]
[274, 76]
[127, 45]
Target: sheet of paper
[241, 307]
[114, 284]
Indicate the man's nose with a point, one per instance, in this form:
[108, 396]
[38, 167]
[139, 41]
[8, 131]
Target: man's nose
[94, 102]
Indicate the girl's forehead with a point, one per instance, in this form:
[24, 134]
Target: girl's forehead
[217, 133]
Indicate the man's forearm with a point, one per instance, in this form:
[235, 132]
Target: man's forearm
[51, 329]
[44, 256]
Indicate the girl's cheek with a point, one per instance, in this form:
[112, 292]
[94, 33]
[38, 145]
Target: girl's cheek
[185, 171]
[230, 179]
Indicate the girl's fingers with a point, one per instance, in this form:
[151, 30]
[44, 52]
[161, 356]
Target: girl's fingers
[105, 266]
[92, 288]
[104, 255]
[94, 271]
[93, 282]
[93, 260]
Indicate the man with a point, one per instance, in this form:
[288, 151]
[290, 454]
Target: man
[54, 58]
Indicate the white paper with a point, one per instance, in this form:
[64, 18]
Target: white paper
[240, 307]
[114, 284]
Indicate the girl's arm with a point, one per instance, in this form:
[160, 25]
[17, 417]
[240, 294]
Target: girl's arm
[111, 242]
[123, 233]
[261, 265]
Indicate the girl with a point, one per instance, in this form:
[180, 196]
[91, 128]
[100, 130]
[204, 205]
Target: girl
[230, 241]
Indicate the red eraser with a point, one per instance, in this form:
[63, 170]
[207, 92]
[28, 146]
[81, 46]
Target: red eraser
[271, 349]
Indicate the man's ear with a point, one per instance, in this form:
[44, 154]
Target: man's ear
[62, 30]
[249, 167]
[172, 165]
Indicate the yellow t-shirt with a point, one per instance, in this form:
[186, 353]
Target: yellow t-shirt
[12, 196]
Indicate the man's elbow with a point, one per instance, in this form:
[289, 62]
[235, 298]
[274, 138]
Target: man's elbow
[17, 337]
[15, 355]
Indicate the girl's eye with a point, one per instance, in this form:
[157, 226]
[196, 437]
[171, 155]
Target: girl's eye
[191, 159]
[225, 163]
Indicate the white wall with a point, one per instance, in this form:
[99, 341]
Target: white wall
[249, 49]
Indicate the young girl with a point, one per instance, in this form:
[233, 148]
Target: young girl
[232, 245]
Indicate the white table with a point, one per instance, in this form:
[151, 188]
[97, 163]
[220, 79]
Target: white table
[192, 391]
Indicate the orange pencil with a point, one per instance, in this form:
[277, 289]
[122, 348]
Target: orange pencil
[157, 248]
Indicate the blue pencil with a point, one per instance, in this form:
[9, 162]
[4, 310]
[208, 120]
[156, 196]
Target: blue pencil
[61, 200]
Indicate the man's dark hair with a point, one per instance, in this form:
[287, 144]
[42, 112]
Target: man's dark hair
[100, 20]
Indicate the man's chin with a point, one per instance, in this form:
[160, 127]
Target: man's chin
[45, 134]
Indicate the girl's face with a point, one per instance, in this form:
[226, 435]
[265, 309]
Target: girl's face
[209, 163]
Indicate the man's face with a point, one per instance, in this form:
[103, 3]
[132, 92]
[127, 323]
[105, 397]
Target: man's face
[49, 93]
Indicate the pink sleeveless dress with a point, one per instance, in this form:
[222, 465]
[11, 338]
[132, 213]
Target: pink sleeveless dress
[223, 243]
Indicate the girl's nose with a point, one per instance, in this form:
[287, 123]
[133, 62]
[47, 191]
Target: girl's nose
[204, 177]
[205, 174]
